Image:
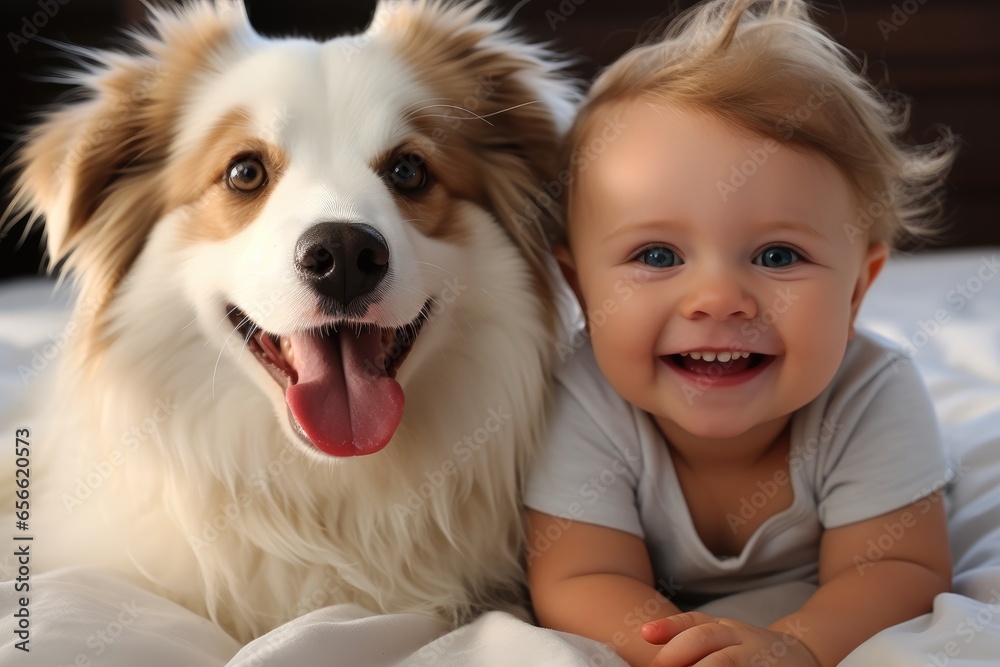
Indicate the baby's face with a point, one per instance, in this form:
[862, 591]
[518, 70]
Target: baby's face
[718, 269]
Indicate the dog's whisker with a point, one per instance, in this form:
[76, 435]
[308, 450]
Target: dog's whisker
[410, 110]
[471, 113]
[433, 266]
[516, 106]
[487, 293]
[482, 117]
[215, 302]
[449, 118]
[246, 341]
[223, 319]
[215, 371]
[230, 312]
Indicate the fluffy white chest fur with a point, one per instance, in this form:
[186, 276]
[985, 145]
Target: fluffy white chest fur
[309, 359]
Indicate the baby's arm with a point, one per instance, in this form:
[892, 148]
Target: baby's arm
[865, 589]
[596, 582]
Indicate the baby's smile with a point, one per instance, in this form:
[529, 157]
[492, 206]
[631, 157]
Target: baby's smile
[719, 368]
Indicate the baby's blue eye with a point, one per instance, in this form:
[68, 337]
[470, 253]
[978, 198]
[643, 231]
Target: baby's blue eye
[659, 257]
[776, 257]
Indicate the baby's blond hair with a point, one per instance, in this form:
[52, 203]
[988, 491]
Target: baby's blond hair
[765, 66]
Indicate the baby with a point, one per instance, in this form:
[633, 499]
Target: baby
[723, 429]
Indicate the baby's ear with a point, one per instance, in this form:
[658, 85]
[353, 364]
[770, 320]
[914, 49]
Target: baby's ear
[568, 268]
[871, 265]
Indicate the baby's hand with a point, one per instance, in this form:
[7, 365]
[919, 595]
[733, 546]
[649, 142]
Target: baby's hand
[694, 638]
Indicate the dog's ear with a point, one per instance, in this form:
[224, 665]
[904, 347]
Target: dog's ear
[505, 103]
[90, 168]
[81, 160]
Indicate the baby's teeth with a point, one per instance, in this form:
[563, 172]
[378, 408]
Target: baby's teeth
[724, 357]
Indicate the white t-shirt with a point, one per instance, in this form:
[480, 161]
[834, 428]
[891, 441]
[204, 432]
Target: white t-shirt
[867, 445]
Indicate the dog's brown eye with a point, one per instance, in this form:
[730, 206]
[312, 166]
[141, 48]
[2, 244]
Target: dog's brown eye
[246, 174]
[408, 173]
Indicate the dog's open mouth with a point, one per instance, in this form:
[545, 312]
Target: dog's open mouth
[339, 382]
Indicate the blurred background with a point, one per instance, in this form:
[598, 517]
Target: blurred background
[943, 54]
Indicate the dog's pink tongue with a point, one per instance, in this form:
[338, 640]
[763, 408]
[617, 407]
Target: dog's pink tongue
[343, 399]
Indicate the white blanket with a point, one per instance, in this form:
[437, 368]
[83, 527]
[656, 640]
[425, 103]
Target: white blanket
[945, 306]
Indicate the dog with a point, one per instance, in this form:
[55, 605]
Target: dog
[315, 320]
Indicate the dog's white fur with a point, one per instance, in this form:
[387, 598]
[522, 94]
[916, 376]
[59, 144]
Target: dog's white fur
[166, 452]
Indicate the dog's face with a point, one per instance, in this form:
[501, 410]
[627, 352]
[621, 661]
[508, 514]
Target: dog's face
[315, 205]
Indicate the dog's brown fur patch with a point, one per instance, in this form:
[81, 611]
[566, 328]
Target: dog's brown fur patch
[497, 144]
[434, 209]
[199, 178]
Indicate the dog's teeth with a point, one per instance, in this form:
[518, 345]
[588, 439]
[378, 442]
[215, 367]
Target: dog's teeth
[287, 352]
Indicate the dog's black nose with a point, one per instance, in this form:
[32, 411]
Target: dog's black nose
[342, 261]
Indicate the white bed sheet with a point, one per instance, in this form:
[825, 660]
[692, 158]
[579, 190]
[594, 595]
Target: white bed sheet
[946, 306]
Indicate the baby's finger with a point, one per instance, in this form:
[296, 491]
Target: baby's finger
[696, 643]
[727, 657]
[663, 630]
